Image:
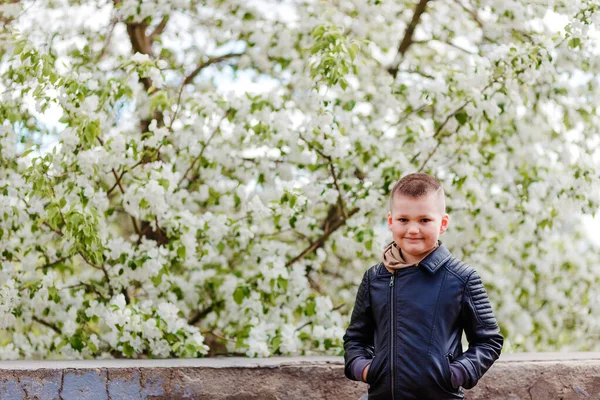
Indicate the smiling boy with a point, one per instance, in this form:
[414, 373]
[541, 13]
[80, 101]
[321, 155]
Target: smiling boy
[404, 337]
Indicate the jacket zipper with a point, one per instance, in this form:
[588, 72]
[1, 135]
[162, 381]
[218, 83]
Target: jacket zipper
[392, 325]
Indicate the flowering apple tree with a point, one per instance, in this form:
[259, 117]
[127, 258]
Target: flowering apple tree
[186, 178]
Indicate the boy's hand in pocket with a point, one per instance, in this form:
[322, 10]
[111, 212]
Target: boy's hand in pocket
[365, 372]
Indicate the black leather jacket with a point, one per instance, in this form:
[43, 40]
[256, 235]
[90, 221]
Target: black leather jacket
[410, 325]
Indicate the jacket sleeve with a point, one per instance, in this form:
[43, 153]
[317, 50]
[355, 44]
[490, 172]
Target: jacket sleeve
[358, 340]
[483, 333]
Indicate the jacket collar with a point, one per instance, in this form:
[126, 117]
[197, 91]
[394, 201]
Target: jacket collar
[436, 259]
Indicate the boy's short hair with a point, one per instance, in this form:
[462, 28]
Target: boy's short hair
[417, 185]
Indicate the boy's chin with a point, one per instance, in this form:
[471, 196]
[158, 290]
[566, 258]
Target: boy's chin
[415, 248]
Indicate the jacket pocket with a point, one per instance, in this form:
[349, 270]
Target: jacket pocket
[446, 369]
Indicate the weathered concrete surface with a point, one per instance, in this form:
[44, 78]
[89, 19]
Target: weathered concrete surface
[543, 376]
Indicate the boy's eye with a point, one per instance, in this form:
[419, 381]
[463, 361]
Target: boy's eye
[425, 220]
[402, 220]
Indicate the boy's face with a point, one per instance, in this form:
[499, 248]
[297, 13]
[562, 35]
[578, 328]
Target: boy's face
[416, 224]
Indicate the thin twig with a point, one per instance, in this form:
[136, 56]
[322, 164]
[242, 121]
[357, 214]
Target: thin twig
[459, 48]
[199, 314]
[333, 174]
[414, 71]
[160, 28]
[303, 326]
[319, 242]
[205, 145]
[217, 335]
[472, 13]
[430, 155]
[207, 63]
[56, 230]
[441, 127]
[406, 114]
[101, 268]
[337, 187]
[407, 40]
[47, 324]
[311, 322]
[109, 35]
[52, 264]
[87, 285]
[451, 115]
[118, 183]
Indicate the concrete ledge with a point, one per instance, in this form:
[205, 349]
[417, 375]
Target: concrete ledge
[542, 376]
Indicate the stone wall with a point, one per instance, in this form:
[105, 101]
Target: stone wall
[543, 376]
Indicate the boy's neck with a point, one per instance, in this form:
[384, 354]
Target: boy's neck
[409, 259]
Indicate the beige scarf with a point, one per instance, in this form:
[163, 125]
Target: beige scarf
[393, 260]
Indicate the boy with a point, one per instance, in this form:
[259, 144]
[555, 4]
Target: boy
[404, 337]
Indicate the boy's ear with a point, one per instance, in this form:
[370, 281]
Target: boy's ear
[390, 220]
[445, 223]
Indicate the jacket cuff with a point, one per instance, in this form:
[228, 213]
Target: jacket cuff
[458, 375]
[358, 366]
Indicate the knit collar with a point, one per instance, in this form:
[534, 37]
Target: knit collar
[393, 260]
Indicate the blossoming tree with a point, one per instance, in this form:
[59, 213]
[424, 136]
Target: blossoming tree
[181, 178]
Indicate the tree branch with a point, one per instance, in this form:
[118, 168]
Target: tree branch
[55, 230]
[5, 21]
[436, 135]
[477, 20]
[213, 134]
[198, 315]
[337, 187]
[118, 182]
[47, 324]
[101, 268]
[207, 63]
[458, 47]
[217, 335]
[52, 264]
[441, 127]
[87, 285]
[321, 240]
[408, 36]
[333, 174]
[111, 29]
[417, 72]
[140, 43]
[472, 13]
[160, 28]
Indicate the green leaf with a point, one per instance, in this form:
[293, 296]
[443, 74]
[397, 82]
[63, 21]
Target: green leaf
[76, 342]
[311, 307]
[239, 294]
[276, 343]
[164, 183]
[353, 50]
[462, 117]
[282, 283]
[92, 347]
[284, 198]
[19, 48]
[574, 43]
[128, 350]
